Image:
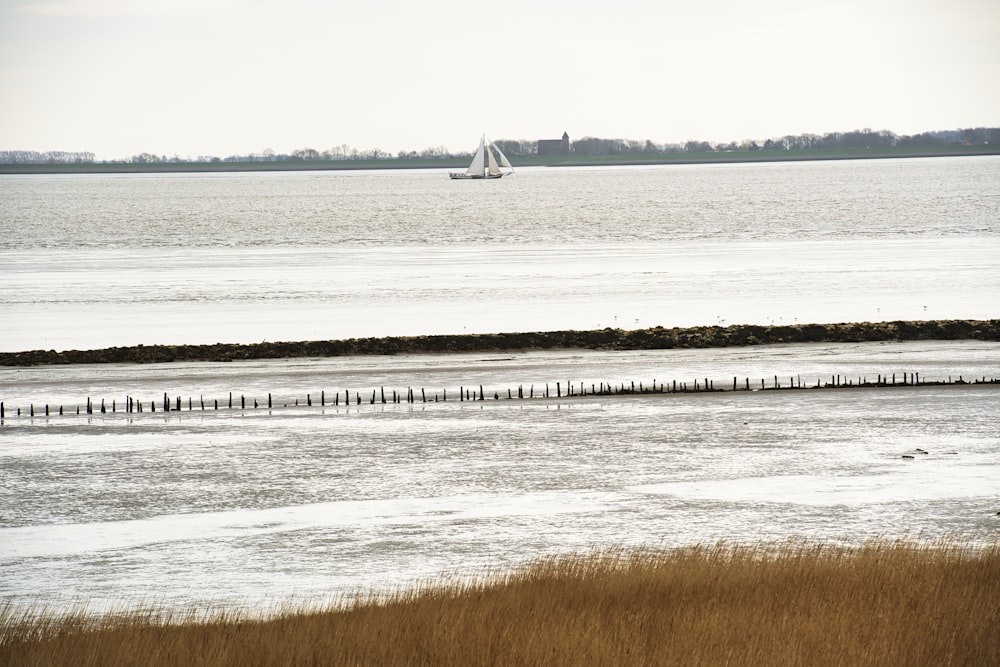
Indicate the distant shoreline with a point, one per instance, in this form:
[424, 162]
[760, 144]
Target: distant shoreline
[600, 339]
[630, 159]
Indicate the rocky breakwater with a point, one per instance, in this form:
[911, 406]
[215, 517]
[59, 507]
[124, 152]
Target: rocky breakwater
[601, 339]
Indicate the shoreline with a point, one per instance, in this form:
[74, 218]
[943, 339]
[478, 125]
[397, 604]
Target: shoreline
[628, 159]
[739, 335]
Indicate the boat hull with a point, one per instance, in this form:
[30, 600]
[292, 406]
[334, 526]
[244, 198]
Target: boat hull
[462, 176]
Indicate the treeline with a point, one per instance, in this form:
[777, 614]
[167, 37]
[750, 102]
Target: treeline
[587, 146]
[47, 157]
[856, 139]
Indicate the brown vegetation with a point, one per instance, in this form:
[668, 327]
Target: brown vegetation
[601, 339]
[797, 605]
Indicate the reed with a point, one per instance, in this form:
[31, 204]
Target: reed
[801, 604]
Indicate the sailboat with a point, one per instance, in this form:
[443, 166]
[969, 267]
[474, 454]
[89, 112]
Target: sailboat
[488, 162]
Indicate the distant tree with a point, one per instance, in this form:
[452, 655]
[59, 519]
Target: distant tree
[697, 147]
[306, 154]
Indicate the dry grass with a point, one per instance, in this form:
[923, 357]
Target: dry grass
[895, 604]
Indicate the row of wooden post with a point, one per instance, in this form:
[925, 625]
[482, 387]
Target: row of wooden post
[132, 404]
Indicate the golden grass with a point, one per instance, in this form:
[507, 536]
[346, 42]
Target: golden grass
[797, 604]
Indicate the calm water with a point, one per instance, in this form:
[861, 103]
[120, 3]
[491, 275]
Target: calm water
[94, 261]
[250, 507]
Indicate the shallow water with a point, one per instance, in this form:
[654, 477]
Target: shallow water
[251, 507]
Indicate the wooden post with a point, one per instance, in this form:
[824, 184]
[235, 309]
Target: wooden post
[243, 402]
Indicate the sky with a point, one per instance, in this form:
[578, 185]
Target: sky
[193, 78]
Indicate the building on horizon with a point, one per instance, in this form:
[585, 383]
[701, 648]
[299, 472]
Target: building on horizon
[554, 146]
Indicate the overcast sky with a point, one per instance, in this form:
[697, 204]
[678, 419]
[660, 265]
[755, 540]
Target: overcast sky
[223, 77]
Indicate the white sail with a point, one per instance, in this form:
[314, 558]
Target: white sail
[504, 162]
[488, 162]
[494, 167]
[479, 161]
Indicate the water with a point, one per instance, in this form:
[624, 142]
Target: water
[251, 507]
[96, 261]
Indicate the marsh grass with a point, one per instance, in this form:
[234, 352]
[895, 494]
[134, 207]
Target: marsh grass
[794, 604]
